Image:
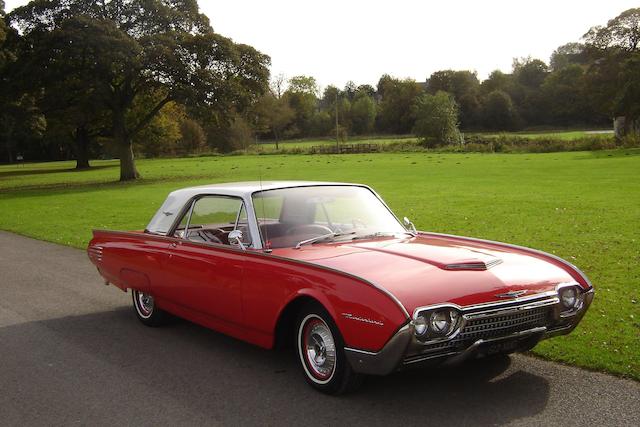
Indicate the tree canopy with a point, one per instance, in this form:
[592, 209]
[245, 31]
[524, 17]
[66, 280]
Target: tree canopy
[123, 49]
[436, 119]
[88, 78]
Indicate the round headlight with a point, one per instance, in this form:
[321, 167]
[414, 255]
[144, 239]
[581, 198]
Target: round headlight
[569, 297]
[440, 322]
[420, 325]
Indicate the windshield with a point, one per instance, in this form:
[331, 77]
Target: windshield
[289, 216]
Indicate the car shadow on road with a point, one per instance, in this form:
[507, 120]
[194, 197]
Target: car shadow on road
[109, 365]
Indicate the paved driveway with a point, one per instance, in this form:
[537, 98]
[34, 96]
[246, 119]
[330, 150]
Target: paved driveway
[72, 352]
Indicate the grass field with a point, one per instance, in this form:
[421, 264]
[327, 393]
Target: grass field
[583, 206]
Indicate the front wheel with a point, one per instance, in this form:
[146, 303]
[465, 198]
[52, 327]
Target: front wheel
[321, 353]
[146, 310]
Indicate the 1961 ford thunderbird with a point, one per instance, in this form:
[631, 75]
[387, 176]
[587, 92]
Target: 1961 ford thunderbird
[329, 268]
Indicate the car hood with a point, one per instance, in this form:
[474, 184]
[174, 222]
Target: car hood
[423, 270]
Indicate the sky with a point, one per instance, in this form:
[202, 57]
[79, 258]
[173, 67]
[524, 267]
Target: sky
[337, 41]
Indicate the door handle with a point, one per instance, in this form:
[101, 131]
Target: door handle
[173, 245]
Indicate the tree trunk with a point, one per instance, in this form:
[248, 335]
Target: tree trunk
[82, 148]
[128, 171]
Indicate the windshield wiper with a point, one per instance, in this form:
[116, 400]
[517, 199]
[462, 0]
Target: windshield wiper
[321, 237]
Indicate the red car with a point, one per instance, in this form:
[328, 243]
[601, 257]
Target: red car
[329, 268]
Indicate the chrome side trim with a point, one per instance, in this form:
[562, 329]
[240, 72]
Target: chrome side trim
[524, 248]
[355, 350]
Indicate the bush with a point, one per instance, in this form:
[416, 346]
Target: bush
[518, 144]
[630, 140]
[236, 135]
[436, 119]
[192, 137]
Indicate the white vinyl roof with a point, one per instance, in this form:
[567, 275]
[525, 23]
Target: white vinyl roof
[166, 215]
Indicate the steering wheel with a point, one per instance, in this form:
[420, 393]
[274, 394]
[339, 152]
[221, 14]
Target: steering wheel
[309, 229]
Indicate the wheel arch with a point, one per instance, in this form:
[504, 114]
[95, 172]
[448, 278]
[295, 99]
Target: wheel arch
[286, 320]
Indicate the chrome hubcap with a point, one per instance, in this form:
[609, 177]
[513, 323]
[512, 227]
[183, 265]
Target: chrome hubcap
[145, 303]
[319, 348]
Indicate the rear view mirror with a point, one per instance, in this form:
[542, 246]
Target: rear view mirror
[409, 225]
[235, 237]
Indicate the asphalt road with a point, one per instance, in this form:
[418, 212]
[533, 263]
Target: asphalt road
[72, 352]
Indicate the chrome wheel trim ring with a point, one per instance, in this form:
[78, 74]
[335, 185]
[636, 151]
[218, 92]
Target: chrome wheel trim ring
[144, 304]
[317, 349]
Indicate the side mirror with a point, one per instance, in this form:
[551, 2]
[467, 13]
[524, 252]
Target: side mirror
[235, 237]
[410, 225]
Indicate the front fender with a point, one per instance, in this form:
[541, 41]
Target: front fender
[366, 316]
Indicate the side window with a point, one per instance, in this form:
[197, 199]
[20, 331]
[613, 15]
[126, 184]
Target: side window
[211, 218]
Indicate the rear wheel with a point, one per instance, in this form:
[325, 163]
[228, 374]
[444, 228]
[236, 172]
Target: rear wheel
[321, 353]
[146, 309]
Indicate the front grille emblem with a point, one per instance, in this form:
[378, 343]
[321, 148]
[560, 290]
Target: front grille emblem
[511, 294]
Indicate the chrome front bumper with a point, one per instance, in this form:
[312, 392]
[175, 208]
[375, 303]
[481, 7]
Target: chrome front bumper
[404, 350]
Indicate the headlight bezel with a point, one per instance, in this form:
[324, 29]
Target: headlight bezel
[431, 334]
[567, 310]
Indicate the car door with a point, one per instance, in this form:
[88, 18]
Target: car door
[203, 270]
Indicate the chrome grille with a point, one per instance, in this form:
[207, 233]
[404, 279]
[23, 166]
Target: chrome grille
[492, 326]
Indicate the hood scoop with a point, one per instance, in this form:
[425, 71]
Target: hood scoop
[473, 265]
[452, 258]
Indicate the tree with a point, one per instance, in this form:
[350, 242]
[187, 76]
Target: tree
[465, 88]
[350, 90]
[20, 123]
[367, 90]
[436, 119]
[237, 135]
[528, 76]
[499, 112]
[3, 35]
[497, 80]
[161, 136]
[68, 90]
[565, 98]
[273, 115]
[301, 95]
[139, 46]
[278, 85]
[192, 136]
[529, 72]
[395, 109]
[621, 32]
[363, 114]
[567, 54]
[20, 120]
[612, 79]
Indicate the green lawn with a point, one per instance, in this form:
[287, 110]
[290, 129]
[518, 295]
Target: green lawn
[583, 206]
